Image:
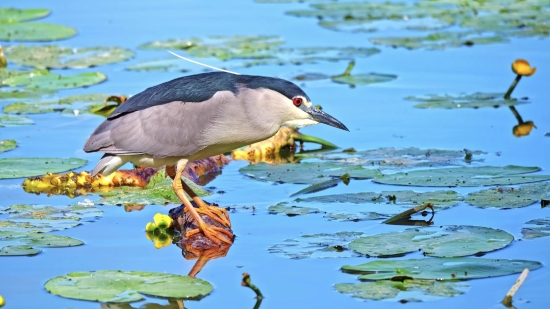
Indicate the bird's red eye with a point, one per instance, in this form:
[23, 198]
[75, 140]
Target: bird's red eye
[297, 102]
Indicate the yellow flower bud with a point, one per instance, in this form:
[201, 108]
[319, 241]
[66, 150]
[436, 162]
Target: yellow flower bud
[150, 235]
[523, 68]
[150, 227]
[163, 221]
[162, 241]
[2, 301]
[523, 129]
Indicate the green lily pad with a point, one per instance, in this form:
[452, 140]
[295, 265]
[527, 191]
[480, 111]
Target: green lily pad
[164, 65]
[14, 243]
[406, 291]
[35, 32]
[57, 57]
[115, 286]
[87, 103]
[306, 173]
[541, 228]
[51, 81]
[438, 40]
[12, 15]
[48, 218]
[28, 167]
[509, 197]
[25, 227]
[363, 79]
[159, 191]
[464, 176]
[446, 241]
[475, 100]
[440, 268]
[291, 211]
[317, 246]
[14, 120]
[7, 145]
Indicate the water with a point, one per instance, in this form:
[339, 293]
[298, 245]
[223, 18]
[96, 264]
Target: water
[377, 116]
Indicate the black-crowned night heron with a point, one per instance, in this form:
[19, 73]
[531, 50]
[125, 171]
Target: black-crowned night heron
[195, 117]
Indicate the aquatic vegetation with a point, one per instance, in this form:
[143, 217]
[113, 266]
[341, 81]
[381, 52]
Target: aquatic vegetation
[14, 120]
[21, 243]
[509, 197]
[536, 228]
[46, 80]
[7, 145]
[474, 100]
[317, 246]
[27, 167]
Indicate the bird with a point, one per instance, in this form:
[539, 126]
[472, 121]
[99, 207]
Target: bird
[195, 117]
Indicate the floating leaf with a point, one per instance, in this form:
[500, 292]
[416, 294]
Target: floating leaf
[509, 197]
[51, 81]
[438, 40]
[37, 227]
[83, 103]
[413, 290]
[27, 167]
[14, 243]
[13, 120]
[12, 15]
[475, 100]
[7, 145]
[291, 211]
[164, 65]
[464, 176]
[57, 57]
[446, 241]
[440, 268]
[317, 246]
[363, 79]
[36, 32]
[541, 228]
[112, 286]
[306, 173]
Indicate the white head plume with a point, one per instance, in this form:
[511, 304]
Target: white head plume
[204, 65]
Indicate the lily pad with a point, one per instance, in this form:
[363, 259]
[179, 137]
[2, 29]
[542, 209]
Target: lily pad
[14, 120]
[58, 57]
[446, 241]
[27, 167]
[306, 173]
[509, 197]
[37, 227]
[52, 81]
[291, 211]
[464, 176]
[541, 228]
[440, 268]
[164, 65]
[12, 15]
[317, 246]
[439, 40]
[14, 243]
[87, 103]
[474, 100]
[7, 145]
[115, 286]
[35, 32]
[405, 291]
[363, 79]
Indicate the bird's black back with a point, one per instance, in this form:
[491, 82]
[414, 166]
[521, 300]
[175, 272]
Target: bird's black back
[201, 87]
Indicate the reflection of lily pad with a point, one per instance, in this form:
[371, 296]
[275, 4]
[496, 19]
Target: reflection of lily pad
[37, 32]
[284, 208]
[14, 243]
[317, 246]
[14, 120]
[27, 167]
[464, 176]
[363, 79]
[51, 81]
[448, 241]
[440, 269]
[509, 197]
[56, 57]
[7, 145]
[413, 290]
[541, 228]
[12, 15]
[475, 100]
[306, 173]
[115, 286]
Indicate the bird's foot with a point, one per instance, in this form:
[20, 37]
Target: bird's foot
[216, 213]
[216, 234]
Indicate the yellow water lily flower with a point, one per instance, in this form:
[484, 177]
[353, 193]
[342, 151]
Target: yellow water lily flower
[163, 221]
[524, 128]
[150, 236]
[2, 301]
[150, 227]
[523, 68]
[163, 240]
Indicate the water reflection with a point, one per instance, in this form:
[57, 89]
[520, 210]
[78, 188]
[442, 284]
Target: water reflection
[523, 128]
[172, 304]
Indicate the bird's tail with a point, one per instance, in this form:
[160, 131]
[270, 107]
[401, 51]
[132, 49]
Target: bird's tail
[108, 164]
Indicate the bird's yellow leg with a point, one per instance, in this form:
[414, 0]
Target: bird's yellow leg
[216, 213]
[215, 234]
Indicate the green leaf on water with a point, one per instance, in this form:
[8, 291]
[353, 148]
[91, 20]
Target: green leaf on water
[509, 197]
[58, 57]
[163, 65]
[7, 145]
[87, 103]
[440, 268]
[438, 40]
[115, 286]
[14, 120]
[291, 211]
[35, 32]
[405, 291]
[317, 246]
[52, 81]
[12, 15]
[464, 176]
[538, 228]
[445, 241]
[474, 100]
[28, 167]
[15, 243]
[363, 79]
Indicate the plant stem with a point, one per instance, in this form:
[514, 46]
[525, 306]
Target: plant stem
[507, 301]
[246, 282]
[349, 68]
[512, 87]
[313, 139]
[516, 113]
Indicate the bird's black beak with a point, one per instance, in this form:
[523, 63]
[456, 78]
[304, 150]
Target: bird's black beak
[322, 117]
